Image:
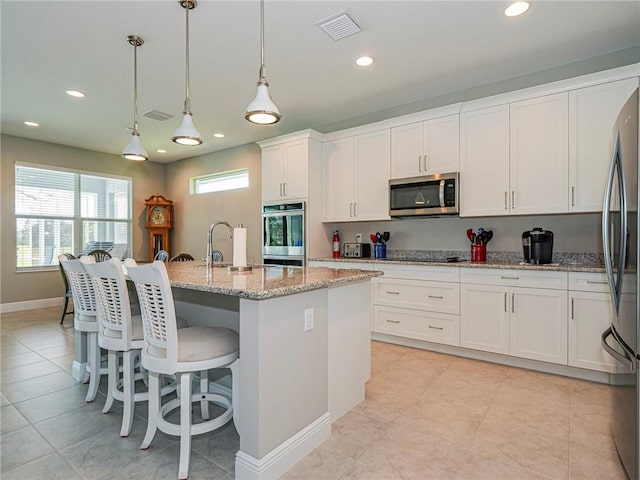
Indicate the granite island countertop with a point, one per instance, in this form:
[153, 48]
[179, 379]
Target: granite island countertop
[506, 265]
[263, 281]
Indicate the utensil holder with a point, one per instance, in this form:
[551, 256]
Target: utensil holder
[478, 253]
[380, 250]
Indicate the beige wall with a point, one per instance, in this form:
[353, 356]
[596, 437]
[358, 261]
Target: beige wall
[148, 179]
[195, 213]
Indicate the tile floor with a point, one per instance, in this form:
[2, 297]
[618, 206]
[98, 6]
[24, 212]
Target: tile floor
[426, 416]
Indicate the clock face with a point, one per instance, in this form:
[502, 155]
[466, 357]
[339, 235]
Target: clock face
[158, 216]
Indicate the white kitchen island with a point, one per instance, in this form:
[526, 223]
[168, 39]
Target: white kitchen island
[304, 351]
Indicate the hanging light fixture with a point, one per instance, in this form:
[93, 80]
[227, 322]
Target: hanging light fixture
[187, 134]
[134, 150]
[262, 110]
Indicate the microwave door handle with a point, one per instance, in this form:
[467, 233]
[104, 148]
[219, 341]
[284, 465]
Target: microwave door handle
[623, 358]
[606, 229]
[441, 193]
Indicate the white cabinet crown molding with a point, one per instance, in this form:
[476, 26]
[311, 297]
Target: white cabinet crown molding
[290, 137]
[559, 86]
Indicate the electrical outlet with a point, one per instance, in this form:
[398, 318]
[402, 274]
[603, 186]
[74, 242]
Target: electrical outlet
[308, 319]
[358, 238]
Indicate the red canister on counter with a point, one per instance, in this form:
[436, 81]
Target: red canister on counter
[336, 244]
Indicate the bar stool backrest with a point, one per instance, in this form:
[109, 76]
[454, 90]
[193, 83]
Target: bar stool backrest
[158, 316]
[114, 312]
[84, 297]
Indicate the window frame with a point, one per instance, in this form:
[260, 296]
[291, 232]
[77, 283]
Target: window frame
[193, 181]
[78, 220]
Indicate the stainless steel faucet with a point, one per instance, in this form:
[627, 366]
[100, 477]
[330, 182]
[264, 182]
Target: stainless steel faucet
[209, 258]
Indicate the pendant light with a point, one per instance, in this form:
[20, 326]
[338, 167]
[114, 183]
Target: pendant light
[187, 134]
[134, 150]
[262, 110]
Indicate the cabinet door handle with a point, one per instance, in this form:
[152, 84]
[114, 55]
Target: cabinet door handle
[436, 328]
[351, 209]
[573, 196]
[393, 321]
[510, 278]
[425, 162]
[513, 199]
[281, 189]
[355, 209]
[505, 301]
[284, 188]
[506, 202]
[598, 282]
[419, 163]
[391, 292]
[571, 308]
[513, 303]
[436, 296]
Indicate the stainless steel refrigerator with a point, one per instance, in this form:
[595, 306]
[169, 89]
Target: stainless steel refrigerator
[620, 246]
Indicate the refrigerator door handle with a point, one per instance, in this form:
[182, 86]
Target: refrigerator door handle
[626, 359]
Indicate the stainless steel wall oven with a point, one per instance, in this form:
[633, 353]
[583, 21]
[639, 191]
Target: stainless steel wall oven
[283, 234]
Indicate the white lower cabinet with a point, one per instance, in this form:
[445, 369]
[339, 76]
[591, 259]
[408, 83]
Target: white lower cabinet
[505, 311]
[417, 324]
[538, 324]
[425, 309]
[590, 314]
[484, 319]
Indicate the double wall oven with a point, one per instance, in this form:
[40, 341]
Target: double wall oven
[283, 234]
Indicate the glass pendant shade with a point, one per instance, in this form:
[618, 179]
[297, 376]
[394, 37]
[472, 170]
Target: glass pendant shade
[187, 134]
[262, 110]
[135, 151]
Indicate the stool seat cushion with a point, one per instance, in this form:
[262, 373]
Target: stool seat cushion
[136, 329]
[204, 343]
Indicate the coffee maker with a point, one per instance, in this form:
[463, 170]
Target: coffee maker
[537, 245]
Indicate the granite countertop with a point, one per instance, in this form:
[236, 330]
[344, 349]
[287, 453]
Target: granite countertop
[264, 281]
[500, 264]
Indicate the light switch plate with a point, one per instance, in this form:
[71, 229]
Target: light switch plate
[308, 319]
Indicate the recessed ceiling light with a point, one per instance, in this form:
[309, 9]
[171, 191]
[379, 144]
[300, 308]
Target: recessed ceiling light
[516, 8]
[75, 93]
[218, 135]
[364, 61]
[32, 124]
[160, 150]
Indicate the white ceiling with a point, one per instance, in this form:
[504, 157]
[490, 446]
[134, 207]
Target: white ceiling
[423, 50]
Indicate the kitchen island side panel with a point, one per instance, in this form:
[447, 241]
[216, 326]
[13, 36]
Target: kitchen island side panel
[283, 369]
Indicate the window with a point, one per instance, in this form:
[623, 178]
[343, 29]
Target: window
[63, 211]
[219, 182]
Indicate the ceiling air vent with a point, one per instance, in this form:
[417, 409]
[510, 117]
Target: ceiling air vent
[339, 25]
[156, 115]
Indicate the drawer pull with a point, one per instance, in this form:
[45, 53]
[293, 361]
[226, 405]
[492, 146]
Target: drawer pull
[436, 296]
[510, 278]
[598, 282]
[571, 308]
[436, 328]
[393, 321]
[391, 292]
[513, 303]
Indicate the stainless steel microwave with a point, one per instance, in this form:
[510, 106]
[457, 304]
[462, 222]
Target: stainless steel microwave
[423, 196]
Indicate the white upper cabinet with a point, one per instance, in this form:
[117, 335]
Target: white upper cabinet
[484, 162]
[355, 178]
[426, 148]
[539, 155]
[592, 113]
[285, 171]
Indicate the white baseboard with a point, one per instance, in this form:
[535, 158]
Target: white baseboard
[31, 304]
[285, 455]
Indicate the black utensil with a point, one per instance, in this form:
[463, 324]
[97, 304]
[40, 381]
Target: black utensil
[386, 236]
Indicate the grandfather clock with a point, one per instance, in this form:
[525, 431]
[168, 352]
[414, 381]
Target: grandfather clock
[159, 224]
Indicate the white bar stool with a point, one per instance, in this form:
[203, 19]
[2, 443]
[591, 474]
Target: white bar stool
[85, 317]
[119, 332]
[168, 350]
